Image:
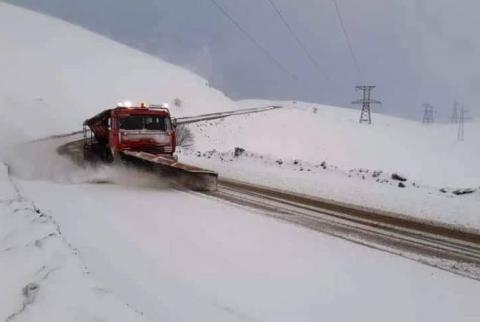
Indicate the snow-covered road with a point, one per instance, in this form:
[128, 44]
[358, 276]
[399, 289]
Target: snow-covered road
[179, 256]
[182, 256]
[439, 246]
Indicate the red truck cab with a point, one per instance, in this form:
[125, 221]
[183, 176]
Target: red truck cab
[143, 128]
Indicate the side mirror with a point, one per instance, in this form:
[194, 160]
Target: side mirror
[174, 123]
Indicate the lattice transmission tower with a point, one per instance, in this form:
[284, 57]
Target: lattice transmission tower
[454, 119]
[461, 123]
[428, 111]
[366, 101]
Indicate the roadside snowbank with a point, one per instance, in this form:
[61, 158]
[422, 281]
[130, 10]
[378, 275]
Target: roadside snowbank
[41, 276]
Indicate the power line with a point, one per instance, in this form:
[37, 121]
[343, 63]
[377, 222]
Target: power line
[299, 42]
[253, 40]
[347, 38]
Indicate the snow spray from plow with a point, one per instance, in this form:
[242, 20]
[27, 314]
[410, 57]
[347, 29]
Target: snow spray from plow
[169, 170]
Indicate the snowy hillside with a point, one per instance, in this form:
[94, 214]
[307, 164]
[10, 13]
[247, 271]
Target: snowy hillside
[54, 75]
[324, 151]
[430, 154]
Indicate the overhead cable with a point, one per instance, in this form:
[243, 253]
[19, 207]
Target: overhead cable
[348, 40]
[252, 39]
[310, 57]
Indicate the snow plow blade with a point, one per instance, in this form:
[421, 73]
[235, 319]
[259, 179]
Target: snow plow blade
[189, 176]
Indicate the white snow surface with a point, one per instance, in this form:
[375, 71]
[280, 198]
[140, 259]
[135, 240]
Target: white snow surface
[183, 256]
[327, 153]
[72, 249]
[41, 276]
[427, 153]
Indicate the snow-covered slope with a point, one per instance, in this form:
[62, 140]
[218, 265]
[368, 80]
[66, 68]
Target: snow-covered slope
[54, 75]
[429, 154]
[324, 151]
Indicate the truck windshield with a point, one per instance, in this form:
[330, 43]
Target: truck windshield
[145, 122]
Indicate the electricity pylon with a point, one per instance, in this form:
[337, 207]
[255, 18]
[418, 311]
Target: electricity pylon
[461, 123]
[366, 101]
[427, 113]
[454, 118]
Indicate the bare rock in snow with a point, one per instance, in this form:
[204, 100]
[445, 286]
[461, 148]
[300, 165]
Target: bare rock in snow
[29, 292]
[398, 177]
[376, 174]
[465, 191]
[238, 151]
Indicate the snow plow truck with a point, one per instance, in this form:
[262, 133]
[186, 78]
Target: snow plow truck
[143, 135]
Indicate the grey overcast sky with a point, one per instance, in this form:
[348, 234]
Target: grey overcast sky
[415, 51]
